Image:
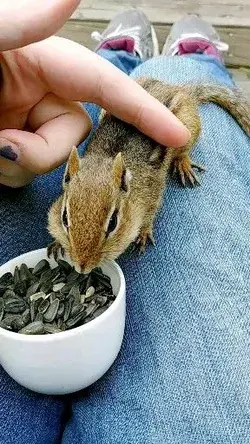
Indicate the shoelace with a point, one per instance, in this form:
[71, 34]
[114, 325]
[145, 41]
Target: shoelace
[221, 46]
[133, 32]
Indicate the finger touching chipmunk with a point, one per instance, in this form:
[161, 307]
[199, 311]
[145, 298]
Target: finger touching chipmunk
[111, 196]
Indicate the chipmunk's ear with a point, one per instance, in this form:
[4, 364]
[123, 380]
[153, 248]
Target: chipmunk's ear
[72, 166]
[121, 175]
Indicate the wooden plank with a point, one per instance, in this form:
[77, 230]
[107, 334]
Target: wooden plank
[217, 12]
[237, 38]
[241, 77]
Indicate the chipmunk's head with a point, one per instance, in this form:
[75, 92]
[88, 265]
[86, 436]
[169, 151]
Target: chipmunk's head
[92, 220]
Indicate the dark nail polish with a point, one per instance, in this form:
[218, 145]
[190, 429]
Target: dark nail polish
[7, 153]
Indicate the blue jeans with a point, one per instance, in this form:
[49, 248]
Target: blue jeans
[183, 374]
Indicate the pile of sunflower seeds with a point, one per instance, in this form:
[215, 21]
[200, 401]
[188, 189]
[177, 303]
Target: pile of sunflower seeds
[43, 300]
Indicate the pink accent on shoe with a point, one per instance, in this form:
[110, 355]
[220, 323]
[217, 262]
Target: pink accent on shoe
[198, 46]
[125, 43]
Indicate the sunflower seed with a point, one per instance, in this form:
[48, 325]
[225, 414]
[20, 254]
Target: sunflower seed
[82, 298]
[52, 297]
[24, 273]
[16, 275]
[32, 289]
[90, 298]
[6, 325]
[61, 279]
[99, 289]
[43, 306]
[77, 309]
[17, 323]
[41, 267]
[101, 300]
[89, 281]
[26, 316]
[60, 310]
[36, 296]
[83, 284]
[51, 312]
[35, 328]
[20, 288]
[14, 305]
[61, 324]
[75, 292]
[72, 277]
[2, 289]
[44, 294]
[47, 296]
[9, 294]
[1, 309]
[46, 287]
[10, 287]
[49, 328]
[102, 279]
[46, 276]
[89, 293]
[65, 266]
[6, 279]
[58, 287]
[68, 306]
[66, 289]
[72, 322]
[61, 296]
[34, 307]
[90, 309]
[55, 274]
[39, 317]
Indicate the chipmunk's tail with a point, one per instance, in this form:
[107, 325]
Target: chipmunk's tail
[230, 99]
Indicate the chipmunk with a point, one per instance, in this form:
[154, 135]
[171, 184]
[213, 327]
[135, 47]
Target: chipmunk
[111, 195]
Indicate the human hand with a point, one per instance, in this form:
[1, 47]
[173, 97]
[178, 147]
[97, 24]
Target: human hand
[22, 21]
[41, 119]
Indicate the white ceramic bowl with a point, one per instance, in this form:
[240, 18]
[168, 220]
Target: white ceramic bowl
[65, 362]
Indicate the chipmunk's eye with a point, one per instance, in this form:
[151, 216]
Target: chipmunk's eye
[112, 222]
[65, 218]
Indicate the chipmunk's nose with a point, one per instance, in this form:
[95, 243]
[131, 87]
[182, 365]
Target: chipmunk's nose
[82, 267]
[85, 269]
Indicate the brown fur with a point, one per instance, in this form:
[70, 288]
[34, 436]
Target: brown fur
[100, 182]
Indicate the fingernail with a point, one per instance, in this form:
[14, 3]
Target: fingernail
[8, 152]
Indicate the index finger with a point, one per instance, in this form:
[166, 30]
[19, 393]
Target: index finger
[73, 72]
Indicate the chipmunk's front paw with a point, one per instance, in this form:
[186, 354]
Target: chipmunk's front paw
[183, 166]
[54, 250]
[146, 235]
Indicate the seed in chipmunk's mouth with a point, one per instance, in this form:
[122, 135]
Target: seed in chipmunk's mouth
[45, 300]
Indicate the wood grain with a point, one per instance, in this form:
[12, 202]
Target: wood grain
[241, 77]
[238, 38]
[217, 12]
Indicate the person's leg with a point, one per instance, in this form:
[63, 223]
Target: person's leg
[183, 375]
[25, 416]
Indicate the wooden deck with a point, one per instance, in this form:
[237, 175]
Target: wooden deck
[230, 17]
